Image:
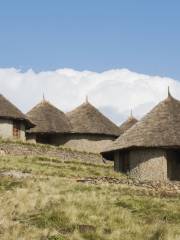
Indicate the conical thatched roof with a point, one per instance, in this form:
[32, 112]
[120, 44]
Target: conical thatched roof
[48, 119]
[159, 128]
[127, 124]
[10, 111]
[87, 119]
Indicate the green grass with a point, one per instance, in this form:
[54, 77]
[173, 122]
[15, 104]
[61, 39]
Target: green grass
[55, 167]
[52, 205]
[7, 183]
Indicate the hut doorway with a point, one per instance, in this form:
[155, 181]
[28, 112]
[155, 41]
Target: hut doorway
[173, 165]
[43, 138]
[121, 162]
[125, 162]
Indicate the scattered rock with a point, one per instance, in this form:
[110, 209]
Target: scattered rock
[2, 152]
[83, 228]
[107, 231]
[15, 174]
[171, 188]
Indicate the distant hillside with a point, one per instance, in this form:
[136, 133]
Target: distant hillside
[50, 199]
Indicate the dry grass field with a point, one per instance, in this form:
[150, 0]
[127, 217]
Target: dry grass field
[42, 199]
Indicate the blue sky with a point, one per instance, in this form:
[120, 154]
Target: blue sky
[131, 49]
[96, 35]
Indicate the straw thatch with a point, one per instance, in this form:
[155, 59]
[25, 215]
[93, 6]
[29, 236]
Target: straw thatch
[159, 128]
[127, 124]
[48, 119]
[87, 119]
[10, 111]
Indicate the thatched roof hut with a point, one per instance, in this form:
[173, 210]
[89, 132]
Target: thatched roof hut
[159, 128]
[11, 112]
[88, 119]
[48, 119]
[128, 124]
[91, 130]
[150, 150]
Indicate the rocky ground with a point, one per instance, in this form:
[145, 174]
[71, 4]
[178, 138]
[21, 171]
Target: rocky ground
[52, 199]
[169, 188]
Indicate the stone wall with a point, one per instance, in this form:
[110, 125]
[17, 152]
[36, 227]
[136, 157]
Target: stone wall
[148, 164]
[6, 129]
[22, 133]
[82, 142]
[25, 149]
[88, 142]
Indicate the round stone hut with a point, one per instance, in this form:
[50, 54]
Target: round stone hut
[128, 124]
[91, 130]
[13, 123]
[52, 125]
[150, 150]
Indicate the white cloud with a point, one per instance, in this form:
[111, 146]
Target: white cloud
[115, 92]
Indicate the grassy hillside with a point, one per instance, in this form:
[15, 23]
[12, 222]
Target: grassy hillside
[45, 200]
